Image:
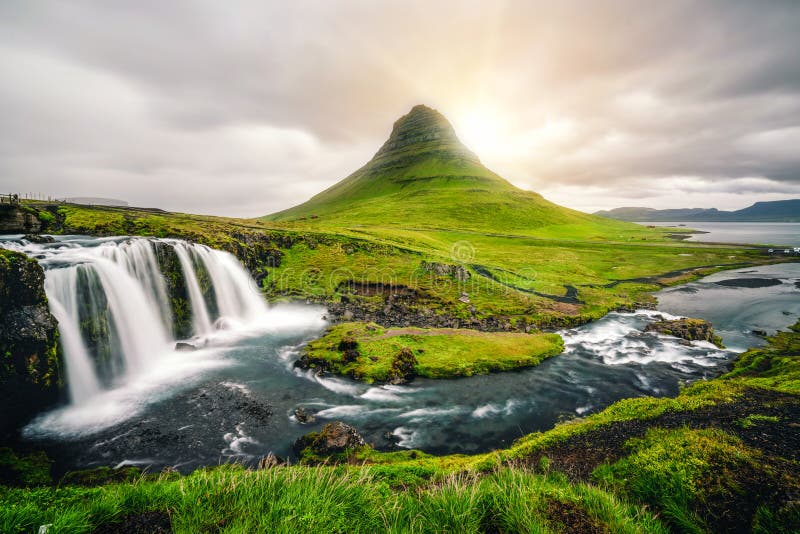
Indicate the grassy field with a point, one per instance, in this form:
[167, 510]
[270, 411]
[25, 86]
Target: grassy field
[437, 353]
[511, 277]
[719, 457]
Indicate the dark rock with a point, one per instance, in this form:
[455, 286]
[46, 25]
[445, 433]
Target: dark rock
[445, 269]
[30, 363]
[391, 437]
[185, 347]
[178, 293]
[38, 238]
[304, 416]
[762, 333]
[348, 343]
[350, 356]
[22, 469]
[334, 439]
[271, 460]
[749, 282]
[155, 522]
[100, 476]
[16, 219]
[417, 311]
[349, 347]
[686, 328]
[402, 369]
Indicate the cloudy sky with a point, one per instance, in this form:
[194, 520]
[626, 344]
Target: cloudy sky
[244, 108]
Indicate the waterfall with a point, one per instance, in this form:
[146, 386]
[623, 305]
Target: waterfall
[113, 299]
[200, 318]
[61, 288]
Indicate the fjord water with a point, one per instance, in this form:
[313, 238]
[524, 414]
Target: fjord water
[785, 234]
[235, 397]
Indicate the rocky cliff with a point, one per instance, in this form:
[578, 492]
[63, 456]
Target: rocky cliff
[30, 366]
[18, 220]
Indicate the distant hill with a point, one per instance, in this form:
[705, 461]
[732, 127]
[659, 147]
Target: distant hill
[424, 177]
[776, 211]
[96, 201]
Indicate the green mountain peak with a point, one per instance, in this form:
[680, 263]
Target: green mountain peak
[424, 177]
[422, 130]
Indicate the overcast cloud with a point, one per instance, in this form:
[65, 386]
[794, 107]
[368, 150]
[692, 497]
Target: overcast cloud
[245, 108]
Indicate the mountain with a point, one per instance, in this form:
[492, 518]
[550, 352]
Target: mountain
[776, 211]
[424, 177]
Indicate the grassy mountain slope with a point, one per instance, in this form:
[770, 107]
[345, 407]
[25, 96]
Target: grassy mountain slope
[424, 177]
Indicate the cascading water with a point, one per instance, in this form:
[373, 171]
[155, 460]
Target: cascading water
[114, 309]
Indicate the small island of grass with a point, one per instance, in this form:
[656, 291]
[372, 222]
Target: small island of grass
[369, 352]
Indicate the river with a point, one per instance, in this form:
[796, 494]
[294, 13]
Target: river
[234, 398]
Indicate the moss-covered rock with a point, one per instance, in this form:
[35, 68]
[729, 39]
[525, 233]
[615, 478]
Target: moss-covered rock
[30, 363]
[687, 328]
[335, 442]
[170, 267]
[24, 469]
[100, 476]
[402, 369]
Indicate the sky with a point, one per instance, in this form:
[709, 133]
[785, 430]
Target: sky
[246, 108]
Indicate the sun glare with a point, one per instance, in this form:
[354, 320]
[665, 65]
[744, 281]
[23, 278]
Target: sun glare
[481, 131]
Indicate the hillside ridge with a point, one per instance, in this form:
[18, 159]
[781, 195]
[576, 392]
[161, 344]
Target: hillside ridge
[765, 211]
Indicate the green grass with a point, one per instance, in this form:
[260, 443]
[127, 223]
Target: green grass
[679, 479]
[319, 262]
[440, 353]
[776, 366]
[328, 499]
[680, 471]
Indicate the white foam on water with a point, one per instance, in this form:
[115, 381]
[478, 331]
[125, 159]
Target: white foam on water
[407, 437]
[126, 463]
[422, 415]
[237, 442]
[128, 398]
[354, 411]
[335, 385]
[492, 409]
[233, 386]
[618, 339]
[387, 393]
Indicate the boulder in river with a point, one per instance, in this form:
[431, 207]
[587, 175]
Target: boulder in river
[185, 347]
[38, 238]
[332, 443]
[304, 416]
[686, 328]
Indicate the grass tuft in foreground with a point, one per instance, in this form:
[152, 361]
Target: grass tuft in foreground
[329, 499]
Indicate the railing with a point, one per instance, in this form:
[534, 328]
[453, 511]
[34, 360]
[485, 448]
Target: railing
[9, 198]
[14, 199]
